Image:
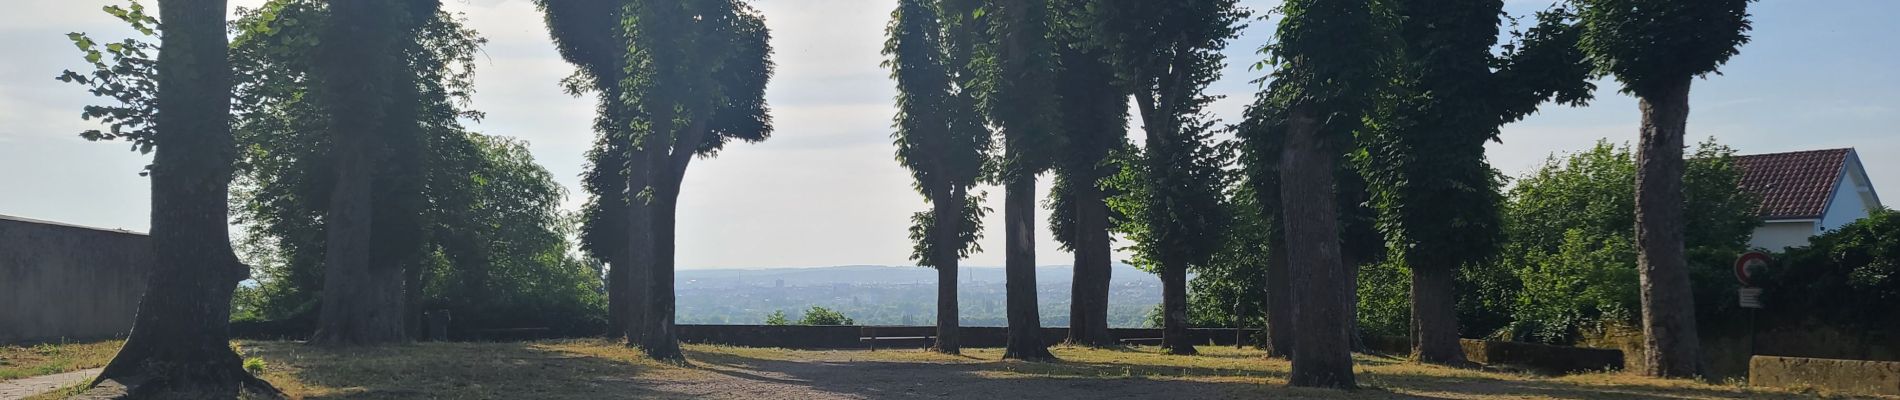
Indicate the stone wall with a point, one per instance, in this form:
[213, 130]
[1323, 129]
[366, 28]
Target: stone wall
[66, 282]
[1843, 376]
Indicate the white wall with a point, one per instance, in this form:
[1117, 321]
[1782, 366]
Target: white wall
[1776, 236]
[1848, 204]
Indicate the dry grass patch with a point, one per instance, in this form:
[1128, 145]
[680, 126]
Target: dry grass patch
[52, 358]
[596, 369]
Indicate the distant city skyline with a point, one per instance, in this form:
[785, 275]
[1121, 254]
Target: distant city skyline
[825, 189]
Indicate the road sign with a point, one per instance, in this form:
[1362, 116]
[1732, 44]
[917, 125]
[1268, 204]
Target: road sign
[1750, 261]
[1750, 297]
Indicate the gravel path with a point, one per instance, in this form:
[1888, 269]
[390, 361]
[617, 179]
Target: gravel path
[19, 388]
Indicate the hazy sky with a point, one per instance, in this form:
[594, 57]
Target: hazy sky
[825, 189]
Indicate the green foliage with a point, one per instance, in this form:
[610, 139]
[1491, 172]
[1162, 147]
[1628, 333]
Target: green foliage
[255, 365]
[1647, 44]
[1571, 242]
[971, 231]
[1093, 106]
[1846, 277]
[1234, 279]
[1423, 154]
[940, 135]
[1171, 190]
[816, 316]
[494, 240]
[824, 316]
[1385, 294]
[128, 78]
[1331, 56]
[696, 73]
[589, 35]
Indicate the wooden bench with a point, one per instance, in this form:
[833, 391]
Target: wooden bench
[904, 336]
[1142, 341]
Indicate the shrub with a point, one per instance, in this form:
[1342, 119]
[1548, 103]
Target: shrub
[1846, 277]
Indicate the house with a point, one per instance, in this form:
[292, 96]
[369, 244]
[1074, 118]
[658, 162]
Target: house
[1805, 193]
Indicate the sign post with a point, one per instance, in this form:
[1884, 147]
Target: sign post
[1749, 296]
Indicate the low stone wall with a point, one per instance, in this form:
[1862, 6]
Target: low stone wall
[67, 282]
[1846, 376]
[1537, 357]
[1542, 357]
[786, 336]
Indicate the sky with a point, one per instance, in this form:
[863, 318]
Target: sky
[825, 189]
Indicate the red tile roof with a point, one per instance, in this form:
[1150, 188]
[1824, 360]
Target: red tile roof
[1795, 185]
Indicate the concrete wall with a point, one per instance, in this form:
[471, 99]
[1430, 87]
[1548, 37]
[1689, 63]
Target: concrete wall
[1777, 235]
[1842, 376]
[68, 282]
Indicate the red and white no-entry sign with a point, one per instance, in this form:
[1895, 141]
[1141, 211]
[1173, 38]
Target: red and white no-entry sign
[1753, 260]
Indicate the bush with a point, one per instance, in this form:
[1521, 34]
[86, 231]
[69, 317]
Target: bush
[815, 316]
[1570, 250]
[1848, 277]
[824, 316]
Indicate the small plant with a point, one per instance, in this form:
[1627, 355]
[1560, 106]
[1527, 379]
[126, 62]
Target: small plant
[255, 365]
[46, 349]
[777, 318]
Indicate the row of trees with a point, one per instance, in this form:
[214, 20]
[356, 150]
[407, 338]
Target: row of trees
[1374, 118]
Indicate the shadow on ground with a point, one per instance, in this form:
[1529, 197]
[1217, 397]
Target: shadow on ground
[590, 369]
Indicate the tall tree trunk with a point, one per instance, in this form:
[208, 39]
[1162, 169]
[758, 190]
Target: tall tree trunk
[638, 278]
[1435, 316]
[659, 339]
[948, 215]
[179, 346]
[617, 299]
[1669, 331]
[1025, 321]
[399, 202]
[362, 301]
[1088, 305]
[1350, 300]
[412, 280]
[636, 257]
[1174, 319]
[1322, 356]
[1279, 292]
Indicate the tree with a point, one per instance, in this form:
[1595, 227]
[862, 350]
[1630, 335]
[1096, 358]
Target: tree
[494, 236]
[1654, 49]
[1021, 103]
[699, 68]
[1166, 53]
[824, 316]
[179, 341]
[589, 35]
[368, 91]
[940, 137]
[1326, 66]
[1094, 125]
[1436, 195]
[1570, 261]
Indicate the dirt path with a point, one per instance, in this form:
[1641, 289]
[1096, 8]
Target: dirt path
[850, 376]
[19, 388]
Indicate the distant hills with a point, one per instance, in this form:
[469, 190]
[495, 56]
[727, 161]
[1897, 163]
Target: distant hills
[885, 275]
[888, 295]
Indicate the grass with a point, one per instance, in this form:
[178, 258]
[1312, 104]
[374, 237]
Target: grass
[594, 369]
[52, 358]
[590, 369]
